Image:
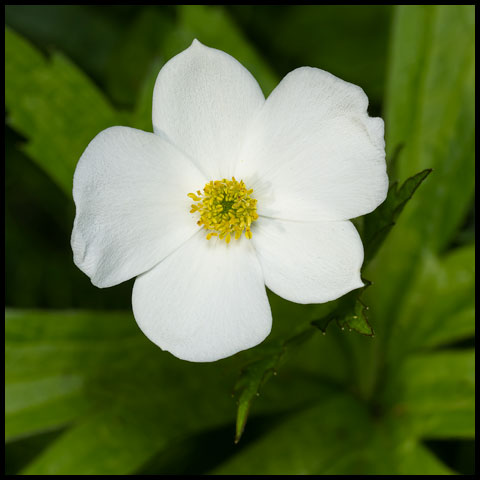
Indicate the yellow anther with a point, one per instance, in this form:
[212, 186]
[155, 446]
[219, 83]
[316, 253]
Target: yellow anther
[226, 209]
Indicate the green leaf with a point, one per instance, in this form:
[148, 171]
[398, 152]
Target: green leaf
[127, 399]
[349, 42]
[337, 436]
[48, 358]
[277, 452]
[18, 454]
[54, 105]
[41, 405]
[435, 394]
[351, 314]
[449, 314]
[256, 373]
[431, 64]
[123, 396]
[378, 224]
[391, 449]
[140, 45]
[343, 404]
[430, 110]
[77, 30]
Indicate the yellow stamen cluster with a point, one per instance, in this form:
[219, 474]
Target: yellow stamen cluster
[226, 209]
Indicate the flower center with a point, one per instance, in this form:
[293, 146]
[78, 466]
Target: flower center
[226, 209]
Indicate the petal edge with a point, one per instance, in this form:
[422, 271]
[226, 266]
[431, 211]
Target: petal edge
[205, 302]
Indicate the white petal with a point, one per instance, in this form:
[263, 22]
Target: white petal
[204, 101]
[309, 262]
[313, 153]
[130, 190]
[204, 302]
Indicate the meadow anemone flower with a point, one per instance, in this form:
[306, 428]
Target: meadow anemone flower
[230, 193]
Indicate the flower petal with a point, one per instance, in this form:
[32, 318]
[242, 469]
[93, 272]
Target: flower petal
[309, 262]
[130, 189]
[204, 101]
[313, 153]
[204, 302]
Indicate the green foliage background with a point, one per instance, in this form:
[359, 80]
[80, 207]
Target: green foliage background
[87, 393]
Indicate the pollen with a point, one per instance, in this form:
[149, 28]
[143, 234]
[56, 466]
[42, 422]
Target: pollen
[226, 209]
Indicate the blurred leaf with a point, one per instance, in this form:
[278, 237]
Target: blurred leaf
[48, 356]
[378, 224]
[335, 437]
[42, 405]
[54, 105]
[322, 429]
[349, 41]
[18, 454]
[140, 45]
[434, 116]
[430, 110]
[96, 370]
[435, 393]
[449, 313]
[81, 32]
[123, 399]
[391, 450]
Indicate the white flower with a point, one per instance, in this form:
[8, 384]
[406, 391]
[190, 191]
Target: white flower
[289, 172]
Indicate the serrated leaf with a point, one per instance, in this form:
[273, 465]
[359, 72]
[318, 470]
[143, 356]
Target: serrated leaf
[256, 373]
[357, 320]
[350, 314]
[247, 386]
[54, 106]
[378, 224]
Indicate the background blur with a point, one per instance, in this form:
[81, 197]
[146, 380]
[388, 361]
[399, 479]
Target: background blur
[86, 393]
